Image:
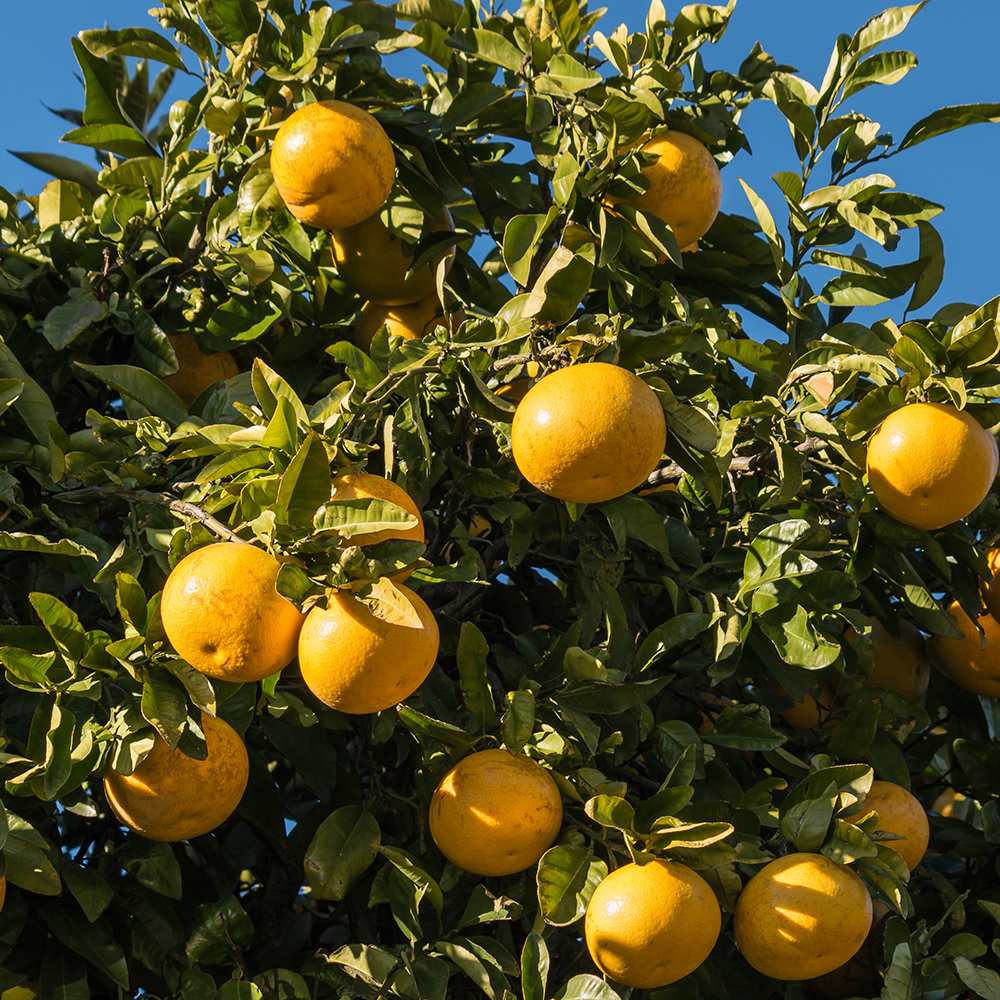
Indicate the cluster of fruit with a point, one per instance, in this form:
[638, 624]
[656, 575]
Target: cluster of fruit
[334, 167]
[223, 614]
[801, 916]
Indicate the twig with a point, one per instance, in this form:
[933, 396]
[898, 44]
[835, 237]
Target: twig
[181, 509]
[741, 464]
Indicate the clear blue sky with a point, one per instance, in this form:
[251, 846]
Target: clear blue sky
[957, 53]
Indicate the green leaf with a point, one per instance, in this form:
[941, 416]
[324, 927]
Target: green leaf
[407, 865]
[609, 699]
[853, 737]
[152, 865]
[586, 987]
[102, 106]
[518, 721]
[58, 747]
[444, 12]
[873, 409]
[567, 878]
[62, 623]
[947, 120]
[794, 635]
[570, 73]
[423, 725]
[120, 139]
[982, 981]
[744, 727]
[521, 237]
[29, 858]
[93, 941]
[362, 516]
[18, 541]
[483, 908]
[806, 823]
[534, 967]
[884, 68]
[64, 323]
[669, 834]
[143, 43]
[63, 168]
[341, 851]
[611, 810]
[220, 929]
[494, 48]
[369, 963]
[476, 694]
[673, 632]
[89, 888]
[772, 556]
[142, 386]
[33, 404]
[306, 483]
[230, 21]
[768, 359]
[478, 964]
[768, 227]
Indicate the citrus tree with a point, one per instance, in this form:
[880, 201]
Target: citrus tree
[379, 590]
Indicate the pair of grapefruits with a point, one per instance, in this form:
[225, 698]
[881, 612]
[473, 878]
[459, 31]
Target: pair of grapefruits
[222, 613]
[801, 916]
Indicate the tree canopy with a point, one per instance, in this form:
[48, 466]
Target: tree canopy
[649, 651]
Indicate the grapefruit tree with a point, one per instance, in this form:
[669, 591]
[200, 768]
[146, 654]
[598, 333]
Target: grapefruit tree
[640, 651]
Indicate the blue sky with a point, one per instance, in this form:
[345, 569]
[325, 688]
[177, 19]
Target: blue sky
[957, 66]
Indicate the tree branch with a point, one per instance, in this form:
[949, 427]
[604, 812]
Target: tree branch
[741, 464]
[181, 509]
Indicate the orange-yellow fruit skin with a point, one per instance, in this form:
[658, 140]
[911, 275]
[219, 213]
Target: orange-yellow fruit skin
[222, 614]
[685, 187]
[373, 262]
[930, 464]
[802, 916]
[588, 433]
[358, 663]
[495, 813]
[650, 925]
[901, 813]
[197, 370]
[411, 322]
[965, 660]
[902, 666]
[332, 164]
[991, 588]
[171, 796]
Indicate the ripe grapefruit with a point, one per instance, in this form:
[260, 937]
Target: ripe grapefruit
[495, 813]
[374, 262]
[649, 925]
[411, 322]
[930, 464]
[222, 614]
[171, 796]
[901, 813]
[588, 433]
[197, 370]
[358, 662]
[685, 187]
[967, 661]
[802, 916]
[333, 164]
